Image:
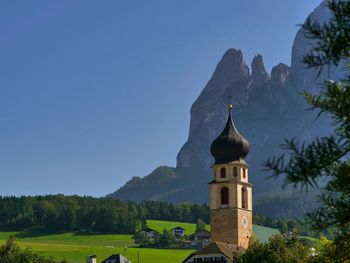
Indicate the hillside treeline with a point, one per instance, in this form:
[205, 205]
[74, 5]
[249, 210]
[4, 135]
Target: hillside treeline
[59, 213]
[54, 213]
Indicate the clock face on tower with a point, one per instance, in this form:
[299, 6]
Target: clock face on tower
[244, 221]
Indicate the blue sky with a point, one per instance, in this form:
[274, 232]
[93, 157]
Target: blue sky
[95, 92]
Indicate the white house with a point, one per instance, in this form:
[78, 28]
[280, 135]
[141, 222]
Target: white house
[91, 259]
[149, 232]
[178, 231]
[116, 258]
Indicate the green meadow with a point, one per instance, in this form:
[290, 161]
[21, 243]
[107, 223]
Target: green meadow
[75, 247]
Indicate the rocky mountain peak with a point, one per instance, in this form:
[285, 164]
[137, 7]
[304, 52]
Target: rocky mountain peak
[231, 67]
[259, 73]
[303, 77]
[280, 73]
[265, 116]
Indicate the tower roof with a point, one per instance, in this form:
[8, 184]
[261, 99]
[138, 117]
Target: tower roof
[230, 146]
[225, 249]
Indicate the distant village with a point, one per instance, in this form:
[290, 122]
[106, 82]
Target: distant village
[176, 237]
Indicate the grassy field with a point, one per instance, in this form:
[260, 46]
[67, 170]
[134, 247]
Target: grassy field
[75, 247]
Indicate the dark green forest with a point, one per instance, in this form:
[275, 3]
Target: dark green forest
[59, 213]
[55, 213]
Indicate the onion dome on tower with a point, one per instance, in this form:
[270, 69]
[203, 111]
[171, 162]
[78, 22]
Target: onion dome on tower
[230, 146]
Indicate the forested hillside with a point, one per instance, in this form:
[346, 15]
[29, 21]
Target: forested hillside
[55, 213]
[59, 213]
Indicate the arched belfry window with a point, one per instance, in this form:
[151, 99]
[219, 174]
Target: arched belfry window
[222, 172]
[234, 172]
[224, 196]
[244, 198]
[244, 173]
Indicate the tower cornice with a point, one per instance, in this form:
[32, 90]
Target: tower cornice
[231, 181]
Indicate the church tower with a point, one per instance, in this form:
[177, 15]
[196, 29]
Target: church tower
[230, 190]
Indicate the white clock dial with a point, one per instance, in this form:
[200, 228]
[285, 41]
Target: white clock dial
[244, 221]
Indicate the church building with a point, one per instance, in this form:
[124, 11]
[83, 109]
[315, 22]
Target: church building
[230, 198]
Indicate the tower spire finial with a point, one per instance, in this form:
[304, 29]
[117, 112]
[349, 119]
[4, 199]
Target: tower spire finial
[229, 103]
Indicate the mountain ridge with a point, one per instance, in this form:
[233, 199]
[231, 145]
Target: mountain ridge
[268, 107]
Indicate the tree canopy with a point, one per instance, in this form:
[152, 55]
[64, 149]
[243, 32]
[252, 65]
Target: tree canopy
[10, 252]
[304, 164]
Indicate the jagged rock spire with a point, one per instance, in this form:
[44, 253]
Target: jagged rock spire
[259, 73]
[231, 67]
[280, 73]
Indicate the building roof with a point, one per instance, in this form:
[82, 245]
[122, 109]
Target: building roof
[147, 229]
[178, 228]
[201, 235]
[203, 232]
[228, 250]
[230, 145]
[115, 258]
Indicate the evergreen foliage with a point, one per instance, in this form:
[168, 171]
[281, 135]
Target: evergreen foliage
[10, 252]
[336, 251]
[167, 239]
[142, 239]
[277, 250]
[326, 157]
[59, 213]
[200, 225]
